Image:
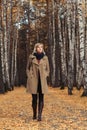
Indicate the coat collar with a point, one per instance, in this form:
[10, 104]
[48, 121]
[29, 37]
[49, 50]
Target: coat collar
[34, 60]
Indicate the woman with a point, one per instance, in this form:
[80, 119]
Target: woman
[37, 73]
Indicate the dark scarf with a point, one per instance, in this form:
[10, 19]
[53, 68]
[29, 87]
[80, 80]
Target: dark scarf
[39, 56]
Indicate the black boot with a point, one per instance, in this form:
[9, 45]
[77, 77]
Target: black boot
[69, 91]
[34, 112]
[40, 108]
[34, 106]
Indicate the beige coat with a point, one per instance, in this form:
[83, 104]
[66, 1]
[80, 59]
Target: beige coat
[32, 74]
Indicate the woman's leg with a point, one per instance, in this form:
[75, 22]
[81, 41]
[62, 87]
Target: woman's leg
[40, 99]
[34, 105]
[40, 105]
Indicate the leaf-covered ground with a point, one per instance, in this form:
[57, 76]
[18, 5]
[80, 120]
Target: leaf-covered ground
[61, 111]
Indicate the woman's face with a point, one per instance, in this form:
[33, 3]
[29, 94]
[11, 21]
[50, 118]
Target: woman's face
[39, 49]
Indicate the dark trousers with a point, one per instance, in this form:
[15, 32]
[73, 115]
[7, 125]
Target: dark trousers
[38, 98]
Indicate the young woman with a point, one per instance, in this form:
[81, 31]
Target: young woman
[37, 73]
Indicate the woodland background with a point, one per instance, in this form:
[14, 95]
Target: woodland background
[61, 25]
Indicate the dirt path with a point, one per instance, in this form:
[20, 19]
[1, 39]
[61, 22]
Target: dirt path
[61, 112]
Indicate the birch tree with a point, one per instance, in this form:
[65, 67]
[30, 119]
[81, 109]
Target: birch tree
[71, 41]
[83, 43]
[62, 31]
[60, 25]
[2, 89]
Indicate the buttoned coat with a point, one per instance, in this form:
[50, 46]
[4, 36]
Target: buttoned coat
[32, 74]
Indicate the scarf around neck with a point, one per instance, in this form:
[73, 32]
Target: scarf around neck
[39, 56]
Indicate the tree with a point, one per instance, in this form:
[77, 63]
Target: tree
[60, 25]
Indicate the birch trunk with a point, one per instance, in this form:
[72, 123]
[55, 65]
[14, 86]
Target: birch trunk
[83, 41]
[2, 89]
[77, 50]
[49, 38]
[15, 58]
[71, 48]
[53, 44]
[62, 43]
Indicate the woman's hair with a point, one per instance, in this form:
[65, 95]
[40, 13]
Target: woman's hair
[36, 45]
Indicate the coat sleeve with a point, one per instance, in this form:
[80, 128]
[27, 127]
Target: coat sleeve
[28, 65]
[47, 67]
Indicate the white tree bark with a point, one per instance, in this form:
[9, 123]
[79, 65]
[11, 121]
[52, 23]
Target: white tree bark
[54, 42]
[71, 45]
[81, 28]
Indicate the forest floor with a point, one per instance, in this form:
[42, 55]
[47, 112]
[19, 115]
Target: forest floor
[61, 111]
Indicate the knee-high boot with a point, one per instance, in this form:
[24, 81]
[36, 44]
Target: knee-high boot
[34, 106]
[34, 111]
[40, 109]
